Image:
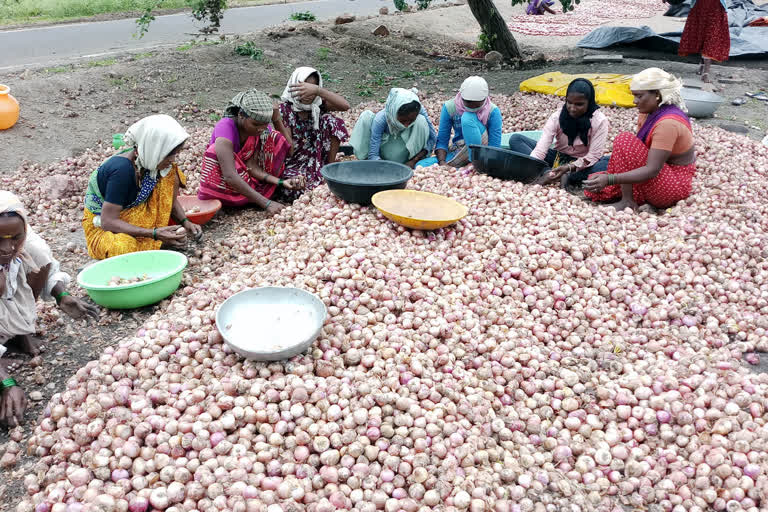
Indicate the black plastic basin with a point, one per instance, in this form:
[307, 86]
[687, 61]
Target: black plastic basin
[357, 181]
[506, 164]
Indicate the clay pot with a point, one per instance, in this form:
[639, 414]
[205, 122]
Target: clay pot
[9, 108]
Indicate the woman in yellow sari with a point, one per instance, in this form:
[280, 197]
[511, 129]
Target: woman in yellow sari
[132, 195]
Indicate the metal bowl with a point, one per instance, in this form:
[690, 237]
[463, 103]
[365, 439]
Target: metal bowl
[356, 181]
[700, 103]
[271, 323]
[506, 164]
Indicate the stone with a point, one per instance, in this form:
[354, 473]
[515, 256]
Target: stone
[35, 396]
[735, 128]
[381, 31]
[604, 58]
[494, 57]
[383, 11]
[344, 18]
[731, 80]
[408, 33]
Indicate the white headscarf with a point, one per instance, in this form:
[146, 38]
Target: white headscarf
[655, 79]
[474, 88]
[34, 254]
[300, 75]
[154, 137]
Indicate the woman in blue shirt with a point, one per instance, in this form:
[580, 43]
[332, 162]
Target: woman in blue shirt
[402, 132]
[472, 119]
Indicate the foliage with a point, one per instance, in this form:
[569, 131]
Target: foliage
[322, 53]
[485, 41]
[303, 16]
[209, 11]
[249, 49]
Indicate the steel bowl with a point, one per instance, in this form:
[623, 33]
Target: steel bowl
[700, 103]
[270, 323]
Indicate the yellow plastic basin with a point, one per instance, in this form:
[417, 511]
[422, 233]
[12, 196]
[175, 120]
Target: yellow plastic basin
[419, 210]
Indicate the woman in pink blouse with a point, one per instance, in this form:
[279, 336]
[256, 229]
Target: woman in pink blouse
[579, 131]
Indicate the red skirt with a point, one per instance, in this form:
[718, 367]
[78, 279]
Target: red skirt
[706, 31]
[672, 184]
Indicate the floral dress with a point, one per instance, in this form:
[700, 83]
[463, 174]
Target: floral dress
[310, 147]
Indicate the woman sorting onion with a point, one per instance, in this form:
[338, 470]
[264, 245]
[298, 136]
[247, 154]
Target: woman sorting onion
[132, 196]
[312, 131]
[245, 159]
[472, 119]
[28, 271]
[580, 133]
[402, 132]
[657, 165]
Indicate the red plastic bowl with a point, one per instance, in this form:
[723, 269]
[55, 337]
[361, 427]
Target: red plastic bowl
[208, 208]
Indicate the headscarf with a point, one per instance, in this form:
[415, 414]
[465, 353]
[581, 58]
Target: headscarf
[10, 203]
[474, 88]
[153, 138]
[254, 104]
[579, 126]
[300, 75]
[396, 99]
[655, 79]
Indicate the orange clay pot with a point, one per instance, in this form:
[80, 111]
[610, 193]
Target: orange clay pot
[9, 108]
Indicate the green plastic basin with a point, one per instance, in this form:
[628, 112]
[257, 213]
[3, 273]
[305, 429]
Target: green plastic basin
[533, 134]
[164, 269]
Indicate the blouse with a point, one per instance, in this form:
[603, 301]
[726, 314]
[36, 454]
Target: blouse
[586, 156]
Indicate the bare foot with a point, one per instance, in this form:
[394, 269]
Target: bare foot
[29, 344]
[624, 204]
[9, 365]
[647, 208]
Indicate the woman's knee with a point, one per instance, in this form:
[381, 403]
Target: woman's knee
[122, 244]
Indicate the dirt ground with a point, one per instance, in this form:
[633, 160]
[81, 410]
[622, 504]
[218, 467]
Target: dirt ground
[67, 109]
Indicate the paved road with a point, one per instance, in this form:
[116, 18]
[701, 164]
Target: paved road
[58, 43]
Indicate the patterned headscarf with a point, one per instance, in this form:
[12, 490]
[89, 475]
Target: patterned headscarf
[153, 138]
[254, 104]
[655, 79]
[396, 99]
[298, 76]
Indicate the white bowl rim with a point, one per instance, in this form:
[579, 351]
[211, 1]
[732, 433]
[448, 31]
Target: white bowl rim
[241, 350]
[182, 265]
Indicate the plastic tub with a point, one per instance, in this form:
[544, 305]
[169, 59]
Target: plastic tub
[506, 164]
[357, 181]
[163, 269]
[419, 210]
[207, 209]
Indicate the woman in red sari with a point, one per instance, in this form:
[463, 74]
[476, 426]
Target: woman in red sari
[245, 158]
[657, 165]
[706, 33]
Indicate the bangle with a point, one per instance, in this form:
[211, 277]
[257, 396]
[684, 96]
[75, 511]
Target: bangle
[8, 383]
[280, 182]
[60, 296]
[185, 219]
[269, 202]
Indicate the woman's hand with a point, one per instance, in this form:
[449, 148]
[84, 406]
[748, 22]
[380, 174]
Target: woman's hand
[13, 402]
[168, 235]
[304, 92]
[596, 182]
[193, 229]
[78, 309]
[274, 208]
[297, 183]
[558, 172]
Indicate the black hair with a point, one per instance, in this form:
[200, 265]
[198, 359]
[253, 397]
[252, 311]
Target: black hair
[316, 75]
[579, 127]
[11, 214]
[413, 107]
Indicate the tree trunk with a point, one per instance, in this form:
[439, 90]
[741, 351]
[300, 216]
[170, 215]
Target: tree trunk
[494, 26]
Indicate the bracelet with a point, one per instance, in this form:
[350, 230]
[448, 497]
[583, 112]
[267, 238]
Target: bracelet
[280, 182]
[185, 219]
[269, 202]
[154, 233]
[8, 383]
[60, 296]
[611, 179]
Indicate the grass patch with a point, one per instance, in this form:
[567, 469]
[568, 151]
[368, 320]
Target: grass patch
[303, 16]
[192, 44]
[140, 56]
[101, 63]
[57, 69]
[116, 82]
[31, 11]
[249, 50]
[322, 53]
